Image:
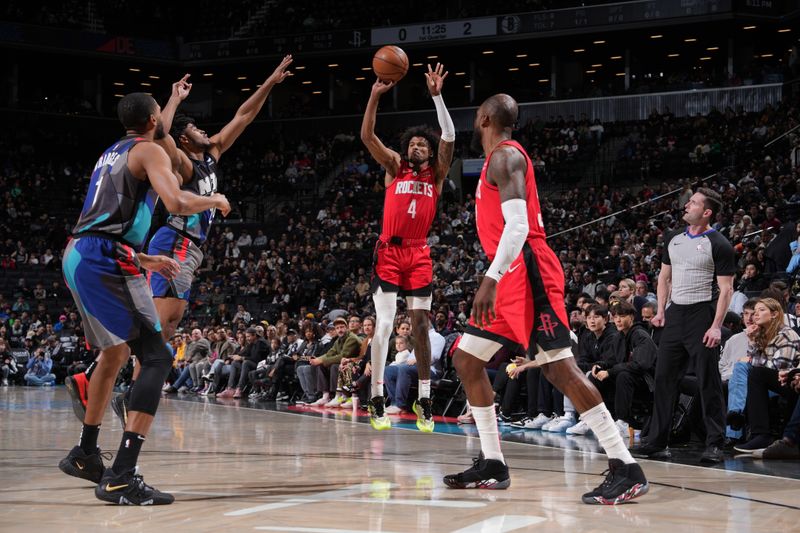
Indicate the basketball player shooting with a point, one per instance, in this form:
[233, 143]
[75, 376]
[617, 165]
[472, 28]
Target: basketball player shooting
[521, 301]
[402, 257]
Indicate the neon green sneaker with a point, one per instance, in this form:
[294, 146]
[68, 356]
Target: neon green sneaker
[377, 417]
[424, 411]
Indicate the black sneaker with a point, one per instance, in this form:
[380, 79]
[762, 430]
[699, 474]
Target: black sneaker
[89, 467]
[712, 455]
[622, 484]
[129, 488]
[120, 407]
[483, 474]
[648, 451]
[756, 444]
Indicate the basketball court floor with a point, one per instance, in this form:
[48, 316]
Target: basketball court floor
[234, 468]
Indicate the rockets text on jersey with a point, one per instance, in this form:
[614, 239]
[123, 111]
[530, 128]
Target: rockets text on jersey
[409, 206]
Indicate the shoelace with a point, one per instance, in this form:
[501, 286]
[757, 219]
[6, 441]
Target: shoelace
[138, 482]
[376, 408]
[427, 409]
[106, 455]
[609, 473]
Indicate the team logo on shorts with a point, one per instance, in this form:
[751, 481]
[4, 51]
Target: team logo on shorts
[548, 325]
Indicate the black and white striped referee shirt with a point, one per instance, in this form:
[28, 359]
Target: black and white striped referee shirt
[696, 262]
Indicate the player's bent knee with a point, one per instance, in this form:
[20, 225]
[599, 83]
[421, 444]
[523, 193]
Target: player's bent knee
[156, 361]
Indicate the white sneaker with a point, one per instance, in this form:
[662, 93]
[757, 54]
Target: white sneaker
[532, 423]
[581, 428]
[560, 424]
[183, 389]
[322, 401]
[540, 420]
[336, 402]
[622, 426]
[392, 410]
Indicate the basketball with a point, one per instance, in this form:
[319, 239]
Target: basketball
[390, 63]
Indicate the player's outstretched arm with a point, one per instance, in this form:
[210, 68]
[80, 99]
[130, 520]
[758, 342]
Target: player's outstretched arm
[180, 161]
[248, 111]
[151, 160]
[435, 79]
[387, 158]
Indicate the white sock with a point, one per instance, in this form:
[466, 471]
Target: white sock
[326, 396]
[569, 409]
[486, 422]
[424, 388]
[599, 420]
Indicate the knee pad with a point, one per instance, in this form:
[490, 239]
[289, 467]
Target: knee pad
[156, 361]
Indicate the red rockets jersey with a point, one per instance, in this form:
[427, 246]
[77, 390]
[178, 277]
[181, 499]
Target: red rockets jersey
[410, 203]
[488, 214]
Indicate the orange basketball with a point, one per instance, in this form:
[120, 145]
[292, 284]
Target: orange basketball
[390, 63]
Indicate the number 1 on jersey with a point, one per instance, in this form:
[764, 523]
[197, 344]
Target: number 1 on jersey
[97, 189]
[412, 209]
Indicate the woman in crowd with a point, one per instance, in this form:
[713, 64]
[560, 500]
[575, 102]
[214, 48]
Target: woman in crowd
[774, 347]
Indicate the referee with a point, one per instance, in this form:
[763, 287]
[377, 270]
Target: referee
[697, 266]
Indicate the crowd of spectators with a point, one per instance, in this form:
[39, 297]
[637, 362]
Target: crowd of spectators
[268, 296]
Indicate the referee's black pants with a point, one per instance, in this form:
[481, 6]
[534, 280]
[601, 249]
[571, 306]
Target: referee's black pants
[682, 342]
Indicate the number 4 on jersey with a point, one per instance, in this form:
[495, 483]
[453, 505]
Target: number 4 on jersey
[412, 209]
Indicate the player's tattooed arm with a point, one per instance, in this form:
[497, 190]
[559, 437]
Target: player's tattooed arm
[386, 157]
[434, 79]
[507, 170]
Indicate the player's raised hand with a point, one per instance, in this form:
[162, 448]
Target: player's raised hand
[280, 72]
[483, 304]
[380, 86]
[182, 88]
[435, 78]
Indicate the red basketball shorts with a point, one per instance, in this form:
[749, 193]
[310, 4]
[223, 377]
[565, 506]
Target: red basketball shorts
[529, 305]
[404, 269]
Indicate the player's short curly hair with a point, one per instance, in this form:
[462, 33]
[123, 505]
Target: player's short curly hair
[419, 131]
[179, 124]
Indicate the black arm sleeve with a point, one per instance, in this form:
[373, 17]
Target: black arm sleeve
[723, 254]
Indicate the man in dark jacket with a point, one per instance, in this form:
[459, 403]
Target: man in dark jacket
[598, 343]
[630, 374]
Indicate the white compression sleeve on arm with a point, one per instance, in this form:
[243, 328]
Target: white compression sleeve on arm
[445, 122]
[515, 212]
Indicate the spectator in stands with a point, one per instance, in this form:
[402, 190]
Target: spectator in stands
[751, 280]
[734, 369]
[304, 371]
[787, 447]
[630, 376]
[326, 366]
[256, 350]
[399, 378]
[8, 363]
[773, 347]
[599, 342]
[241, 314]
[38, 370]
